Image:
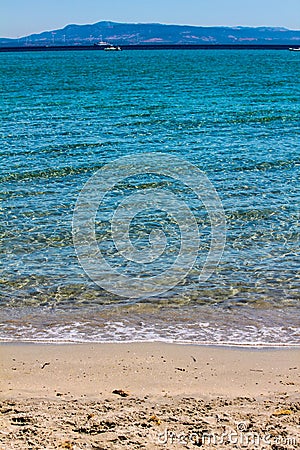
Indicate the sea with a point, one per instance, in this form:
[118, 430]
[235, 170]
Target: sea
[140, 140]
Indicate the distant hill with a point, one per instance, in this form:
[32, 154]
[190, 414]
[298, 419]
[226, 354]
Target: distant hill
[153, 33]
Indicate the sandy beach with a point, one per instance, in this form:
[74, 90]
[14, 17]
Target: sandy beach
[111, 396]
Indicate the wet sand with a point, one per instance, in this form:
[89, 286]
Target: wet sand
[166, 396]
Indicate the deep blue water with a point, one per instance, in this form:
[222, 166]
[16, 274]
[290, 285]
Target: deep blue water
[235, 115]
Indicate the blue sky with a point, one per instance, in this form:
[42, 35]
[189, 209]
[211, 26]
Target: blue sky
[21, 17]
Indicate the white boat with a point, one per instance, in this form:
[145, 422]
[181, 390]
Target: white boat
[291, 49]
[102, 44]
[112, 48]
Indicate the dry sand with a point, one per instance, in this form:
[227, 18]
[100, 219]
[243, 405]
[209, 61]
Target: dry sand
[179, 396]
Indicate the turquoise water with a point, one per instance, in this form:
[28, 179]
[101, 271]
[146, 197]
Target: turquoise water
[233, 114]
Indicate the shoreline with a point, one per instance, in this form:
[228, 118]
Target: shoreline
[47, 48]
[225, 345]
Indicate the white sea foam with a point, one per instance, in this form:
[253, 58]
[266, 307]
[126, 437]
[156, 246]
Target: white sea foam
[181, 329]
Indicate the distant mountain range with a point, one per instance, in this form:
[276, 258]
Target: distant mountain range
[153, 33]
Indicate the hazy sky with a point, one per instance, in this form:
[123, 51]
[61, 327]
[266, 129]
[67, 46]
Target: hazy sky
[22, 17]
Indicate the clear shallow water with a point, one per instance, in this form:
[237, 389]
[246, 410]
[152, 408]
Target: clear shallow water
[233, 114]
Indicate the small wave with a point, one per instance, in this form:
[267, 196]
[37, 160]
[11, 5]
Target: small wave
[198, 326]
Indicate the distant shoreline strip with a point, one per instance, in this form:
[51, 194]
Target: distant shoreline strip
[47, 48]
